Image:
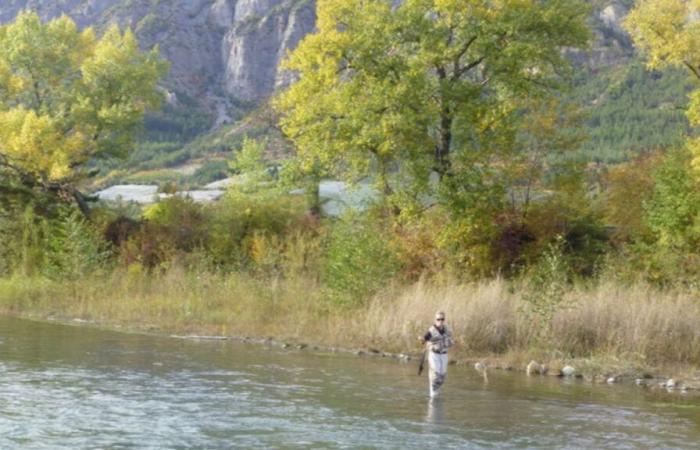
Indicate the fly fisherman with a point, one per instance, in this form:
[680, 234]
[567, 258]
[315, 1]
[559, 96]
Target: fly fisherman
[437, 340]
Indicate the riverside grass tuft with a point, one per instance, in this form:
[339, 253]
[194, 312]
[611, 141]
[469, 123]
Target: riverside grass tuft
[607, 326]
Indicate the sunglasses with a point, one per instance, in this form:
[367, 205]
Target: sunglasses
[440, 319]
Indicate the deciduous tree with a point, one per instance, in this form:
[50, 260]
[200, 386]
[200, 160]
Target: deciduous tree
[68, 97]
[668, 33]
[422, 86]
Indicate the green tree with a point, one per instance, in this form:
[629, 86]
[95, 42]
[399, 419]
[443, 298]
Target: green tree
[673, 211]
[425, 86]
[67, 98]
[360, 261]
[249, 161]
[668, 34]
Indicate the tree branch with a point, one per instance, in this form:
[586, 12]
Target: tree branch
[693, 69]
[459, 72]
[463, 50]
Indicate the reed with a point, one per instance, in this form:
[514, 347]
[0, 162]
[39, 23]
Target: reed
[639, 324]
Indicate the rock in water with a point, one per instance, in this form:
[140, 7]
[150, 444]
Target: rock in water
[534, 368]
[568, 371]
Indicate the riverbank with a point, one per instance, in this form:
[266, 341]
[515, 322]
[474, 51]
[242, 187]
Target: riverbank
[608, 332]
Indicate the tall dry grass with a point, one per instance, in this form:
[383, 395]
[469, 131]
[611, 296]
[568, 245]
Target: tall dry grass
[175, 301]
[638, 324]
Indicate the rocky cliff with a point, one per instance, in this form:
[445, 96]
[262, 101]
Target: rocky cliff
[224, 51]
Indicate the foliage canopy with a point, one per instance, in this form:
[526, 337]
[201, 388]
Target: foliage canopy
[426, 86]
[68, 97]
[668, 33]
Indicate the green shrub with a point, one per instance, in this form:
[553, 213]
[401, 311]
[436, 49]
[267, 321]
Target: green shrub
[672, 214]
[211, 171]
[74, 247]
[545, 289]
[22, 248]
[64, 245]
[183, 222]
[360, 261]
[238, 221]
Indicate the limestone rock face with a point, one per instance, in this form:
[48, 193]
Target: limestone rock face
[612, 15]
[256, 44]
[221, 13]
[251, 9]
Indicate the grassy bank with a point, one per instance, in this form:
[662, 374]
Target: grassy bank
[607, 328]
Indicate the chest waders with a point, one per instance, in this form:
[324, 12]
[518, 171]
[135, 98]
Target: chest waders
[437, 358]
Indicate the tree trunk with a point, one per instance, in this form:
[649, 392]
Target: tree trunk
[314, 195]
[386, 189]
[82, 203]
[442, 148]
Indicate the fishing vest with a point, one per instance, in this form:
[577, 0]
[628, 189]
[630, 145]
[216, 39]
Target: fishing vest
[439, 343]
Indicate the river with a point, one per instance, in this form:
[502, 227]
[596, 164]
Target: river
[77, 387]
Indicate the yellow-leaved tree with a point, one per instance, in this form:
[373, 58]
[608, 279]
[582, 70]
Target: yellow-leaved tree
[421, 88]
[68, 97]
[667, 32]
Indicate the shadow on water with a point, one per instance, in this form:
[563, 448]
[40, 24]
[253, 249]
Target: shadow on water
[76, 387]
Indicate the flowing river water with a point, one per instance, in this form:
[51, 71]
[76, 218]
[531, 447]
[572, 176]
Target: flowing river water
[78, 387]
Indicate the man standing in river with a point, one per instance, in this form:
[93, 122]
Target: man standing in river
[438, 339]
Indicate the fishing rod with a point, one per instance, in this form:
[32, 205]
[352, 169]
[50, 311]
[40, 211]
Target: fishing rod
[422, 362]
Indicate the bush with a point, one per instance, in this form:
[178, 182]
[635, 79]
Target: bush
[585, 237]
[418, 250]
[150, 247]
[627, 186]
[673, 212]
[211, 171]
[360, 261]
[512, 244]
[545, 290]
[182, 220]
[22, 249]
[74, 248]
[671, 254]
[466, 245]
[240, 223]
[174, 226]
[64, 246]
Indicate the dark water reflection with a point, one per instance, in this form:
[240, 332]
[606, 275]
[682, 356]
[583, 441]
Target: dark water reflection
[74, 387]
